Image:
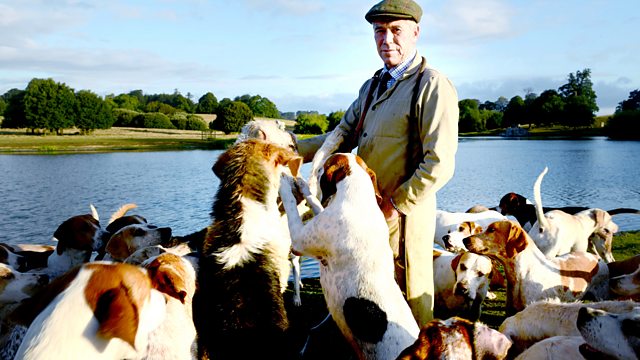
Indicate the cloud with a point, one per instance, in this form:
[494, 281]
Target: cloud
[469, 21]
[287, 7]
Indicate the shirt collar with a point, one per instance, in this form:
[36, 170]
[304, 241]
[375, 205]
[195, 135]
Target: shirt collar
[397, 71]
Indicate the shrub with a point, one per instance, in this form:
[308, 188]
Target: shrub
[153, 121]
[232, 116]
[311, 124]
[624, 125]
[124, 117]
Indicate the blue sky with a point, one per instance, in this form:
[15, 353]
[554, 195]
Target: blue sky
[314, 54]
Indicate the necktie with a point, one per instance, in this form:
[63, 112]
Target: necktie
[384, 80]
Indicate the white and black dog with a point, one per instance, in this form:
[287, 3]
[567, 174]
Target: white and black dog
[350, 239]
[239, 308]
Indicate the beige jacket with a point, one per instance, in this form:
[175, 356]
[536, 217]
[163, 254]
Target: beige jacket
[382, 144]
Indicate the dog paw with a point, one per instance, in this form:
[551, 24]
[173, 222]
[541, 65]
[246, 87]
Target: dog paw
[297, 301]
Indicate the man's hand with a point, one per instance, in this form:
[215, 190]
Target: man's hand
[388, 209]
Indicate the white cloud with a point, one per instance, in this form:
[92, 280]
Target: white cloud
[470, 21]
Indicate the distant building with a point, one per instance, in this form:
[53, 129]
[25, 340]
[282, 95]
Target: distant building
[515, 131]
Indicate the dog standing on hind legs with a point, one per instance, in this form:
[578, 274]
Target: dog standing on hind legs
[239, 307]
[350, 239]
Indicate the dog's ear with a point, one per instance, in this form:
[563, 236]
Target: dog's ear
[165, 277]
[117, 245]
[294, 165]
[517, 241]
[374, 179]
[117, 316]
[376, 190]
[336, 168]
[455, 261]
[221, 164]
[599, 216]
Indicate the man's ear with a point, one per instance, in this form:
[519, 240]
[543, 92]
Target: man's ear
[294, 165]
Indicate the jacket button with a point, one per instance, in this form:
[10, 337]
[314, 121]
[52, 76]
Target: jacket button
[364, 134]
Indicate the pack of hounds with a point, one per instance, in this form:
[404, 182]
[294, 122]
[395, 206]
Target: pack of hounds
[133, 290]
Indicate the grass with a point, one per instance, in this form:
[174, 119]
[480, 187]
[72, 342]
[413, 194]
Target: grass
[114, 139]
[314, 310]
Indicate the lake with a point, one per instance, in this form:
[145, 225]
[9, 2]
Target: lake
[176, 188]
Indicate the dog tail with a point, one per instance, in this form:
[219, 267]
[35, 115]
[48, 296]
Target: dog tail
[542, 221]
[122, 211]
[94, 212]
[623, 211]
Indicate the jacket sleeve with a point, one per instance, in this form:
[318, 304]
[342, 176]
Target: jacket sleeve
[438, 109]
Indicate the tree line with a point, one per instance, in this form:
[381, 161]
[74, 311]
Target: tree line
[48, 106]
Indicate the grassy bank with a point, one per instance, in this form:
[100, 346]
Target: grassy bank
[114, 139]
[313, 309]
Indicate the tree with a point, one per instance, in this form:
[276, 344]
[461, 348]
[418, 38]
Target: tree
[311, 124]
[334, 119]
[632, 103]
[124, 101]
[156, 106]
[232, 116]
[49, 105]
[514, 113]
[501, 104]
[3, 105]
[92, 112]
[579, 98]
[624, 125]
[547, 108]
[469, 120]
[260, 106]
[14, 116]
[492, 119]
[207, 104]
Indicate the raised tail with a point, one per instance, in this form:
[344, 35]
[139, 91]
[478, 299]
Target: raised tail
[121, 211]
[623, 211]
[94, 212]
[542, 221]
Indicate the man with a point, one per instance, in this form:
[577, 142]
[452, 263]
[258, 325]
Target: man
[411, 149]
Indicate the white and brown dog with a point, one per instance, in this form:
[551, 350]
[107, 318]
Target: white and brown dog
[105, 311]
[531, 276]
[350, 239]
[131, 238]
[461, 283]
[457, 338]
[545, 319]
[239, 307]
[175, 277]
[558, 233]
[452, 227]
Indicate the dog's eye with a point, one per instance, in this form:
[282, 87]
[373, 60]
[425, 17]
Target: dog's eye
[480, 273]
[463, 267]
[139, 232]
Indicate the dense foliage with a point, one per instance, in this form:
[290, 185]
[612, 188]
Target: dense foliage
[232, 116]
[260, 106]
[625, 123]
[311, 124]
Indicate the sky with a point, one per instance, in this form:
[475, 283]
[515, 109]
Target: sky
[313, 55]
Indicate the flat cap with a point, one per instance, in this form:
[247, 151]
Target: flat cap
[394, 9]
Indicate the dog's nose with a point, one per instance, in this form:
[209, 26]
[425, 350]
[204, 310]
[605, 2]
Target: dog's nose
[461, 290]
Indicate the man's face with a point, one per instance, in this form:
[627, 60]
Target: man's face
[395, 40]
